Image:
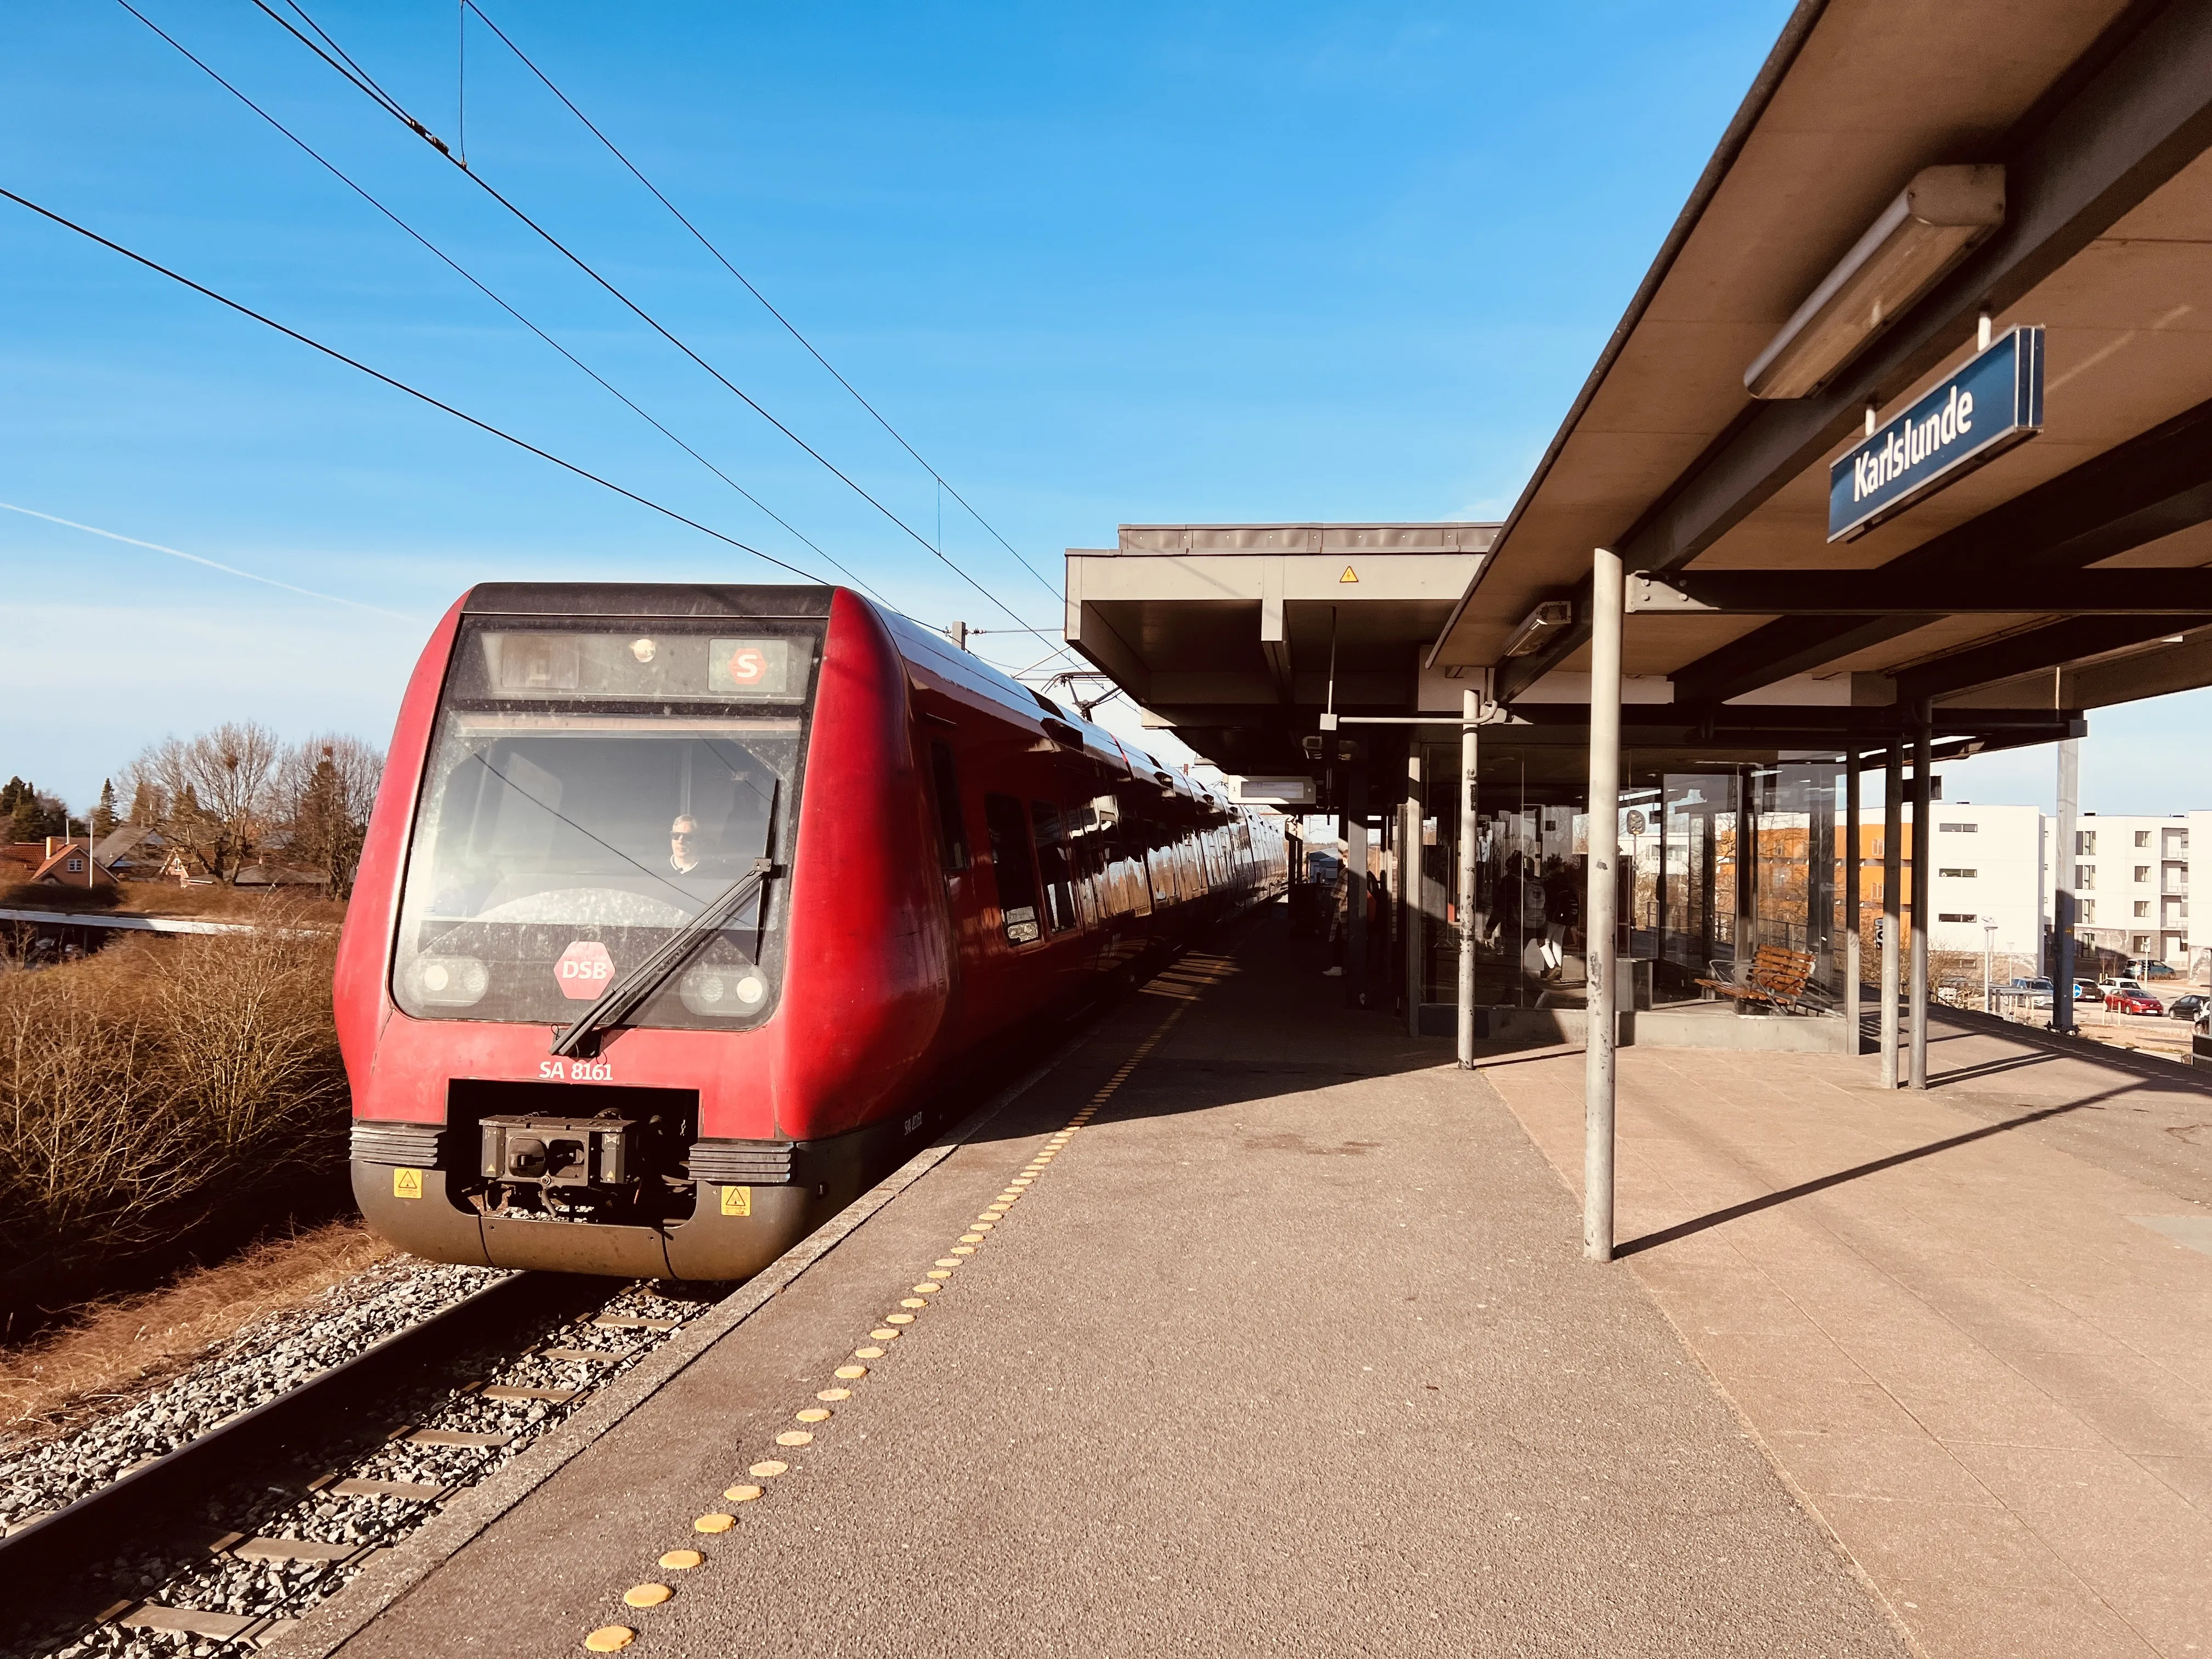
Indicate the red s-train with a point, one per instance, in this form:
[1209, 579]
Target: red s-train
[683, 906]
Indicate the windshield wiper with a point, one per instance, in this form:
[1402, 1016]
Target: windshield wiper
[627, 994]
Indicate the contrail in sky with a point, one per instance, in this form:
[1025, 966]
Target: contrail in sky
[227, 569]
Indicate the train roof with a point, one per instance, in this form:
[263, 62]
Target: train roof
[923, 647]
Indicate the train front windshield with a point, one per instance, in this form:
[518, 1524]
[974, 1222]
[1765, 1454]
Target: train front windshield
[589, 792]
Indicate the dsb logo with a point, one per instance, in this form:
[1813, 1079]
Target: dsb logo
[583, 970]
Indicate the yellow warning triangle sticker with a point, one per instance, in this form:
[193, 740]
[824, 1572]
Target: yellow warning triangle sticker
[407, 1184]
[1348, 575]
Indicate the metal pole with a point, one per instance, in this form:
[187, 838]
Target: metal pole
[1921, 793]
[1409, 883]
[1355, 875]
[2063, 885]
[1470, 706]
[1892, 908]
[1851, 851]
[1988, 949]
[1598, 911]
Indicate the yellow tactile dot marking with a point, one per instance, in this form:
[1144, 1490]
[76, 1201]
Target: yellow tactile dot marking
[612, 1639]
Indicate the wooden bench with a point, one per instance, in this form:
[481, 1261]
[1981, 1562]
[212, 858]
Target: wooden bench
[1778, 978]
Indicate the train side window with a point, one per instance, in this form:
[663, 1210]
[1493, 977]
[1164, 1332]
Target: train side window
[951, 833]
[1131, 893]
[1014, 864]
[1054, 865]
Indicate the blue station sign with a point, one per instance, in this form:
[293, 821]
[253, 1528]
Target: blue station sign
[1992, 403]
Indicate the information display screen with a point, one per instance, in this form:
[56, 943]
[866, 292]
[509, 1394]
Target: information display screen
[670, 666]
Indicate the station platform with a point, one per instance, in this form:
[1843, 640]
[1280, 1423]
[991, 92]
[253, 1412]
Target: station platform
[1278, 1339]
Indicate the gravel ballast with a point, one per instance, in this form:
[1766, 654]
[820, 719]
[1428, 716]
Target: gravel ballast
[277, 1354]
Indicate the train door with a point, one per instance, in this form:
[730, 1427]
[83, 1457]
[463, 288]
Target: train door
[1051, 830]
[956, 858]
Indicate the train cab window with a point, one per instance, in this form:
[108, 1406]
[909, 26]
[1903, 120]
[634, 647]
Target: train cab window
[1054, 867]
[1014, 864]
[951, 833]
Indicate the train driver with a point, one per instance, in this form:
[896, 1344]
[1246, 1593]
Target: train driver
[683, 848]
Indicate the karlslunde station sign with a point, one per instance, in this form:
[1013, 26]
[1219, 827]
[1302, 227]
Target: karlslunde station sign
[1992, 403]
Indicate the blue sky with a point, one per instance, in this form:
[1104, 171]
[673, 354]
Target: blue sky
[1143, 263]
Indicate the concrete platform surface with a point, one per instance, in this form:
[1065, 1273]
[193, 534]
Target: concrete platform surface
[1291, 1350]
[1974, 1325]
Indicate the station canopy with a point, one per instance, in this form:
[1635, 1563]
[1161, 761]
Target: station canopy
[1239, 636]
[2069, 570]
[1903, 199]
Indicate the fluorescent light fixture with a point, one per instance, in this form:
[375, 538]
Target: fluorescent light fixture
[1540, 625]
[1943, 212]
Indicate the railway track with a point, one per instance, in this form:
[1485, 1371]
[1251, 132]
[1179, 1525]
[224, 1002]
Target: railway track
[222, 1543]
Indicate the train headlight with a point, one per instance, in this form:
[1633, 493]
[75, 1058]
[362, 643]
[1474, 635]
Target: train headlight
[724, 992]
[451, 981]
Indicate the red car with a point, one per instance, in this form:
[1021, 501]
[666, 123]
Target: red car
[2134, 1002]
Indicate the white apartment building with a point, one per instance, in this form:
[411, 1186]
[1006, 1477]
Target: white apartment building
[2128, 874]
[1989, 863]
[2129, 877]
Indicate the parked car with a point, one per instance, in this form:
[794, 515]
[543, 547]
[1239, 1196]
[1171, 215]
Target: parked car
[2137, 1001]
[2151, 967]
[2036, 992]
[2108, 988]
[2189, 1007]
[2085, 990]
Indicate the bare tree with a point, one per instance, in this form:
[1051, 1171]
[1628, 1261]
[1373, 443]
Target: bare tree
[216, 790]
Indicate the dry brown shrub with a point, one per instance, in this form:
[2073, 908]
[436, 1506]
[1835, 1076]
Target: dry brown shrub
[114, 1349]
[152, 1085]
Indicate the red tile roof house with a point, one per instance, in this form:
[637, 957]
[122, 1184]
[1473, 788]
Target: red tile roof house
[67, 862]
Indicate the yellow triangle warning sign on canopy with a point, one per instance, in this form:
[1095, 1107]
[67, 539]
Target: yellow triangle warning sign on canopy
[407, 1184]
[1349, 575]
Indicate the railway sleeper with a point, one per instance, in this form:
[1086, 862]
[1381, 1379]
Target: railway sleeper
[256, 1629]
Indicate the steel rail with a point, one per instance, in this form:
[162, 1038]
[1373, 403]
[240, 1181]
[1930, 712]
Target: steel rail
[42, 1564]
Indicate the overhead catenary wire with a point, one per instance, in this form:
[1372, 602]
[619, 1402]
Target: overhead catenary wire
[358, 77]
[467, 276]
[721, 260]
[397, 385]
